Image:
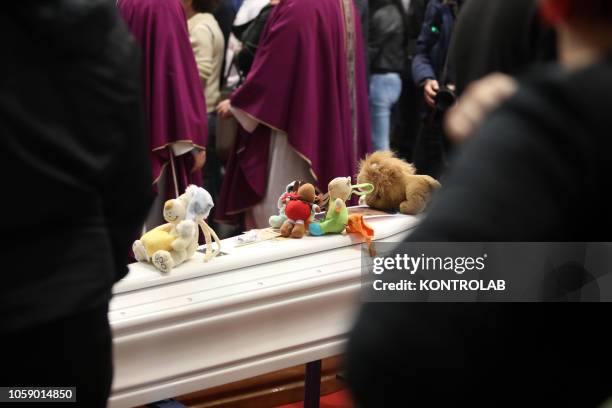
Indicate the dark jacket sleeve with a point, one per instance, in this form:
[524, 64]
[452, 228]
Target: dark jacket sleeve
[422, 68]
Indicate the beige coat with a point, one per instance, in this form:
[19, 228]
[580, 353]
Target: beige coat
[208, 46]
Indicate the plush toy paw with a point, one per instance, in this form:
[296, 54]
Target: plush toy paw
[315, 229]
[413, 206]
[140, 253]
[209, 255]
[298, 231]
[286, 229]
[277, 221]
[162, 260]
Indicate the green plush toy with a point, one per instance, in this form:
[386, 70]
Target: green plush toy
[336, 218]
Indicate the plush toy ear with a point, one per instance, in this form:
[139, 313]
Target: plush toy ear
[200, 204]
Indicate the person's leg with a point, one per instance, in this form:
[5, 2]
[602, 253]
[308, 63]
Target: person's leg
[406, 118]
[385, 90]
[378, 111]
[393, 91]
[75, 351]
[211, 172]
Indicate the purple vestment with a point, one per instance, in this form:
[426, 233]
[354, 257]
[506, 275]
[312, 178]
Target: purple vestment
[308, 80]
[174, 102]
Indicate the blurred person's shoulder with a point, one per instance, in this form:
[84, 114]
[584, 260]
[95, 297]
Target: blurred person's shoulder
[567, 106]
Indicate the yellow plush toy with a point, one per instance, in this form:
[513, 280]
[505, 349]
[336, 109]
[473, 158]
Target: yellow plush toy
[176, 241]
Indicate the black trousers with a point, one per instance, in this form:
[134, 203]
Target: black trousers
[75, 351]
[432, 149]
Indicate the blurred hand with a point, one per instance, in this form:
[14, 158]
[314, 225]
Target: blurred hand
[480, 98]
[199, 158]
[431, 90]
[223, 109]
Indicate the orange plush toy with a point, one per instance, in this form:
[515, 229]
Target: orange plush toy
[357, 225]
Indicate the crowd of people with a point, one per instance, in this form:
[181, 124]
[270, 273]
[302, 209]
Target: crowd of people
[109, 108]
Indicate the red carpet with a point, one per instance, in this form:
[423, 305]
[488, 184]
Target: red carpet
[340, 399]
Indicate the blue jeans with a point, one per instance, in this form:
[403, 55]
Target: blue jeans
[385, 90]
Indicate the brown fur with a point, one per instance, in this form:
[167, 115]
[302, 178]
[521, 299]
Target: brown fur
[307, 192]
[396, 186]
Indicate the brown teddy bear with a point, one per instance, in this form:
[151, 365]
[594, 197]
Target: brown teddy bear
[396, 186]
[299, 209]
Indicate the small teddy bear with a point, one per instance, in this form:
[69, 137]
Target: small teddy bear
[396, 184]
[299, 208]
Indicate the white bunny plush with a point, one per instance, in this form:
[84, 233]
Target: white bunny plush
[173, 243]
[200, 204]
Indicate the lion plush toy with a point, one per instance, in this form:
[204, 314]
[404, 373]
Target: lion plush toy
[396, 186]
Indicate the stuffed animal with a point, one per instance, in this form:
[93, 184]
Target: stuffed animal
[357, 225]
[396, 186]
[277, 221]
[172, 243]
[336, 217]
[299, 209]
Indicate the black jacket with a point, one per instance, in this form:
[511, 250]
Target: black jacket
[75, 174]
[387, 37]
[535, 171]
[249, 35]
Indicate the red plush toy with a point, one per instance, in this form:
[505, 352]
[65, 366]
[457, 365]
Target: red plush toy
[298, 209]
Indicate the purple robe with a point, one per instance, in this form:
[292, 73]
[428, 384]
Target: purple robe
[175, 109]
[308, 80]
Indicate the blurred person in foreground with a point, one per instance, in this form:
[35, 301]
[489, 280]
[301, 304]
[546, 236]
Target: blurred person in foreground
[533, 172]
[77, 188]
[502, 36]
[302, 109]
[175, 108]
[495, 41]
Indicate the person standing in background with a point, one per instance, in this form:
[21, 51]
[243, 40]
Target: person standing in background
[175, 108]
[302, 108]
[76, 189]
[432, 72]
[405, 117]
[208, 47]
[387, 54]
[225, 15]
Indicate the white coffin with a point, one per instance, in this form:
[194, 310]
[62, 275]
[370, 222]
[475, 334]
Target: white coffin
[260, 308]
